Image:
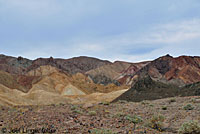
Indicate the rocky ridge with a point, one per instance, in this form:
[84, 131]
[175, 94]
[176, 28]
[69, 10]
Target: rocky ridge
[81, 77]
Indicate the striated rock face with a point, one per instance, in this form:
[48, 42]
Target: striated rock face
[104, 80]
[46, 78]
[127, 76]
[179, 71]
[165, 77]
[42, 71]
[119, 73]
[20, 82]
[108, 73]
[185, 68]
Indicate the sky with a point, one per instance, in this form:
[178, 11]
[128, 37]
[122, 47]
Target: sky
[128, 30]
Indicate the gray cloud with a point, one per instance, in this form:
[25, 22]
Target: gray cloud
[114, 30]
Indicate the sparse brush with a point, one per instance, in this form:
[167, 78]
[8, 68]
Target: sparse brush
[74, 107]
[53, 105]
[134, 119]
[191, 127]
[193, 100]
[101, 131]
[77, 111]
[164, 108]
[144, 102]
[119, 114]
[151, 105]
[92, 113]
[188, 107]
[156, 122]
[61, 104]
[172, 100]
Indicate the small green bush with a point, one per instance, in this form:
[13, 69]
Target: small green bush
[151, 105]
[144, 102]
[119, 114]
[156, 122]
[188, 107]
[193, 100]
[74, 107]
[164, 108]
[61, 104]
[77, 111]
[172, 100]
[101, 131]
[92, 113]
[133, 119]
[191, 127]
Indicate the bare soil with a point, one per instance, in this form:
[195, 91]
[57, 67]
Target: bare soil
[93, 118]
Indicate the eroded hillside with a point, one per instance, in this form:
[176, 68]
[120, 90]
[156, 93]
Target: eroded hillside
[85, 79]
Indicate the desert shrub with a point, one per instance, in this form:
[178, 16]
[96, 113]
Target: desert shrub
[119, 114]
[156, 122]
[191, 127]
[133, 119]
[61, 104]
[74, 107]
[164, 108]
[53, 105]
[101, 131]
[172, 100]
[188, 107]
[151, 105]
[144, 102]
[92, 113]
[77, 111]
[193, 100]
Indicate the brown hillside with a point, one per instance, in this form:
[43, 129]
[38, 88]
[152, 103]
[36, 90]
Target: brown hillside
[179, 71]
[74, 65]
[118, 73]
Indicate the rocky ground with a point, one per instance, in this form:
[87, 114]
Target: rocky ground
[108, 118]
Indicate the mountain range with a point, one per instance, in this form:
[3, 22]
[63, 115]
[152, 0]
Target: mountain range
[86, 79]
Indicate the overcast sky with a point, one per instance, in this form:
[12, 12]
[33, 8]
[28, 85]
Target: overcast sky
[130, 30]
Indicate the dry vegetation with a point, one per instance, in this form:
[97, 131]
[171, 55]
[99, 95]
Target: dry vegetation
[108, 118]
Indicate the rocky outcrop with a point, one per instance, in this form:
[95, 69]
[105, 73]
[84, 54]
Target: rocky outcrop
[74, 65]
[149, 89]
[165, 77]
[14, 65]
[127, 76]
[104, 80]
[42, 71]
[178, 71]
[108, 73]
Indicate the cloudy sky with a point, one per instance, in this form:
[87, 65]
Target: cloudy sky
[131, 30]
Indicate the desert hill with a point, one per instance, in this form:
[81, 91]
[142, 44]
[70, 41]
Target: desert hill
[74, 65]
[85, 79]
[148, 89]
[50, 86]
[179, 71]
[165, 77]
[118, 72]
